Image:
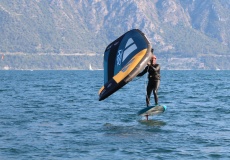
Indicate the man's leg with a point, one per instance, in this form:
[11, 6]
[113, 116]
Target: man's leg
[147, 101]
[155, 90]
[149, 90]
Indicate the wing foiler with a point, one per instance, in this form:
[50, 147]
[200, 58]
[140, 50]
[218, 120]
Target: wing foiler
[124, 58]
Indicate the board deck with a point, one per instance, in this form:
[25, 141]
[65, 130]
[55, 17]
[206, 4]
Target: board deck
[152, 110]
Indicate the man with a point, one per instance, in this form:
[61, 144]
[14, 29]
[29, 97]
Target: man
[153, 79]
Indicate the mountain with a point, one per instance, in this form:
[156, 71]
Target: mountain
[176, 28]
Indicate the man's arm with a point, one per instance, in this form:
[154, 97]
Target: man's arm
[143, 72]
[156, 68]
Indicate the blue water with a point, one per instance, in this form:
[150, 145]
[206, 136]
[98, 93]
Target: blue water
[57, 115]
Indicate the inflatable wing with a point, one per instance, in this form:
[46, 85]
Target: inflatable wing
[124, 58]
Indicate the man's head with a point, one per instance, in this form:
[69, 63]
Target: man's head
[153, 59]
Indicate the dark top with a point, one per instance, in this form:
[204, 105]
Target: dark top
[154, 72]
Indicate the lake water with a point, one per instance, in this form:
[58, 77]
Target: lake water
[57, 115]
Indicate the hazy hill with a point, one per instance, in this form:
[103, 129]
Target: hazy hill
[176, 28]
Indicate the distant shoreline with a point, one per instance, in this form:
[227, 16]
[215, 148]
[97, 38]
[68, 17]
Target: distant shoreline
[80, 61]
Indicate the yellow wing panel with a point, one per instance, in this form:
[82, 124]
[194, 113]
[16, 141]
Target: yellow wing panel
[101, 89]
[130, 66]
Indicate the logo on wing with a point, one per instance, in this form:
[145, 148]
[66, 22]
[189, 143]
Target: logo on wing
[119, 57]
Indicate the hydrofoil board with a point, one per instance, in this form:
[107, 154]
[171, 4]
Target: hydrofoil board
[152, 110]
